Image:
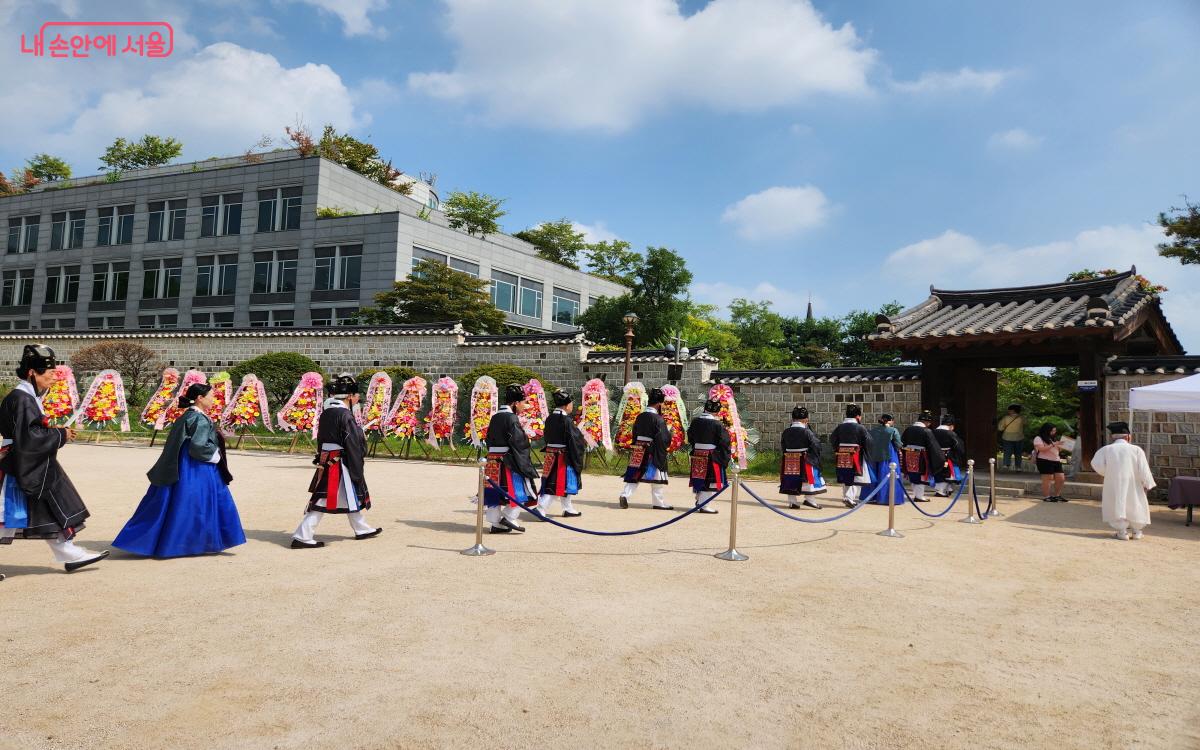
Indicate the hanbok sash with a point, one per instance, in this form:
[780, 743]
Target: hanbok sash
[701, 458]
[849, 456]
[795, 462]
[914, 460]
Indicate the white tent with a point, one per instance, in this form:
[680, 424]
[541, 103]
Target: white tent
[1173, 395]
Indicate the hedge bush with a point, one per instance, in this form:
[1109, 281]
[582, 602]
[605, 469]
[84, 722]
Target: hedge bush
[503, 375]
[280, 373]
[398, 374]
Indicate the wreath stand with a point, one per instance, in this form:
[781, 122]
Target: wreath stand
[115, 431]
[375, 438]
[599, 453]
[406, 450]
[153, 436]
[242, 434]
[296, 440]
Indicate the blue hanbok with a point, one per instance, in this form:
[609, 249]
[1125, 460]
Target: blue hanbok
[881, 469]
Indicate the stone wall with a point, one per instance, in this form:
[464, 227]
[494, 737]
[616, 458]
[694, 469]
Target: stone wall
[1171, 440]
[768, 406]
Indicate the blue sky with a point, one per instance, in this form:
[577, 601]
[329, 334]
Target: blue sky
[860, 151]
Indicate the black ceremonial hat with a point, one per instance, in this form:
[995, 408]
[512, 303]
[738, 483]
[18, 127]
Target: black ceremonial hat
[656, 396]
[926, 416]
[37, 357]
[799, 412]
[562, 398]
[712, 406]
[1119, 428]
[343, 385]
[513, 393]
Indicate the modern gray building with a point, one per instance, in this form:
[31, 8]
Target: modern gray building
[237, 243]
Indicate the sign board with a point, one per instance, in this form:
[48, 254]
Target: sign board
[1088, 386]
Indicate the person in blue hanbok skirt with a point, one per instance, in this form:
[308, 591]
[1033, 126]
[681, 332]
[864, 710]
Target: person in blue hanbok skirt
[188, 509]
[886, 448]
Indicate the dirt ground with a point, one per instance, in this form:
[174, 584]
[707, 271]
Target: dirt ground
[1035, 630]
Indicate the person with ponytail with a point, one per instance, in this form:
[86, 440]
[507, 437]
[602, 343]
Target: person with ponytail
[188, 509]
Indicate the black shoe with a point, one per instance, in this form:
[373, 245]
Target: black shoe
[941, 494]
[793, 506]
[623, 501]
[812, 504]
[499, 530]
[1059, 499]
[707, 509]
[297, 544]
[921, 499]
[849, 503]
[663, 507]
[369, 534]
[512, 526]
[1048, 499]
[74, 566]
[570, 514]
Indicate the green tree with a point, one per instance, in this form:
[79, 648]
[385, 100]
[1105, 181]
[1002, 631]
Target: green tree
[704, 327]
[614, 261]
[556, 241]
[48, 168]
[358, 156]
[478, 213]
[150, 151]
[813, 343]
[280, 373]
[760, 333]
[434, 293]
[658, 297]
[854, 350]
[1182, 227]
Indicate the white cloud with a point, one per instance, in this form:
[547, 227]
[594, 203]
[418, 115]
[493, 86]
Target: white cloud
[963, 79]
[783, 301]
[959, 261]
[596, 232]
[355, 15]
[606, 64]
[1016, 139]
[777, 212]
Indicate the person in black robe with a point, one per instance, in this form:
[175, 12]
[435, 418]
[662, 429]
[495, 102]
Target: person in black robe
[39, 500]
[562, 471]
[923, 458]
[711, 451]
[800, 464]
[852, 446]
[648, 458]
[339, 484]
[955, 451]
[508, 466]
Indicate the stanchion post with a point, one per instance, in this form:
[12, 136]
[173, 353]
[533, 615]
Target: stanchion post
[993, 497]
[971, 517]
[478, 550]
[732, 554]
[891, 529]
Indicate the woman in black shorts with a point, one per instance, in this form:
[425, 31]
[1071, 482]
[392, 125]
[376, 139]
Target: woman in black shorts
[1049, 463]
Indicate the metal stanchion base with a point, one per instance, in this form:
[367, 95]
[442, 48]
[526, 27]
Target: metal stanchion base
[732, 555]
[994, 514]
[892, 533]
[478, 551]
[970, 519]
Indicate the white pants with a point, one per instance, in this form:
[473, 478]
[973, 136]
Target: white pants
[545, 501]
[942, 487]
[308, 525]
[658, 492]
[65, 550]
[851, 493]
[703, 495]
[918, 490]
[1120, 524]
[493, 513]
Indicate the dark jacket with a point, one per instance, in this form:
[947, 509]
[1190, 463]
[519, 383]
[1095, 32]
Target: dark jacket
[651, 424]
[957, 448]
[708, 429]
[561, 430]
[338, 425]
[203, 441]
[505, 431]
[32, 459]
[851, 432]
[920, 435]
[800, 436]
[883, 435]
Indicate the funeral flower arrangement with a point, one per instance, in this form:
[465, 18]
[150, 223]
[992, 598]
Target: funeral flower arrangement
[222, 387]
[156, 407]
[633, 403]
[674, 413]
[729, 417]
[173, 411]
[62, 399]
[593, 415]
[105, 402]
[379, 398]
[249, 406]
[301, 411]
[439, 424]
[484, 395]
[533, 410]
[404, 421]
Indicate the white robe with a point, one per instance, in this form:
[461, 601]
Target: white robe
[1127, 476]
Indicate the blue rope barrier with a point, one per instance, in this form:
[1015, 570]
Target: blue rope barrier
[961, 487]
[861, 504]
[538, 513]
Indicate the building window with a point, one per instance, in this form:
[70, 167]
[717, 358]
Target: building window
[168, 219]
[160, 320]
[566, 307]
[334, 316]
[161, 278]
[279, 209]
[106, 323]
[66, 230]
[531, 299]
[216, 275]
[504, 291]
[110, 281]
[338, 267]
[275, 271]
[221, 215]
[59, 324]
[272, 318]
[212, 320]
[62, 285]
[115, 226]
[23, 234]
[17, 289]
[466, 266]
[14, 325]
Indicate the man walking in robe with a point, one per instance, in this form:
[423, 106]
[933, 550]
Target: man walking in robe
[563, 469]
[711, 452]
[339, 485]
[648, 458]
[1127, 477]
[851, 445]
[508, 466]
[955, 451]
[800, 464]
[923, 456]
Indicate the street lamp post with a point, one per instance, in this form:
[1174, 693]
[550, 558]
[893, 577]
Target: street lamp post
[631, 320]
